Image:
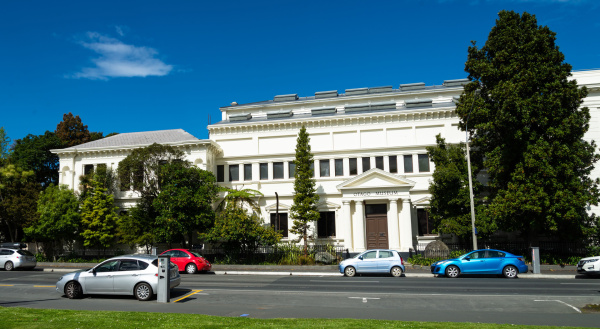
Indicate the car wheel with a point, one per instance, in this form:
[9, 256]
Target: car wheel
[9, 266]
[143, 291]
[349, 271]
[73, 290]
[190, 268]
[396, 271]
[452, 271]
[510, 272]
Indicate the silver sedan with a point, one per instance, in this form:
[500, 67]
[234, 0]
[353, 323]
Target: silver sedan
[122, 275]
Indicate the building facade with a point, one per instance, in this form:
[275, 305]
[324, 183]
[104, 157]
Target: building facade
[369, 144]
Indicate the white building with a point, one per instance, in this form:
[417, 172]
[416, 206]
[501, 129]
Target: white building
[369, 145]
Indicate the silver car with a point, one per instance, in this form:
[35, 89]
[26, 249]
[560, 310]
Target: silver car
[122, 275]
[374, 261]
[16, 258]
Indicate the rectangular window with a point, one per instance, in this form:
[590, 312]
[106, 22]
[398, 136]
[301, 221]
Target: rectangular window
[88, 169]
[312, 169]
[425, 222]
[248, 171]
[280, 224]
[393, 163]
[423, 163]
[220, 173]
[339, 167]
[277, 170]
[324, 168]
[264, 171]
[408, 163]
[366, 162]
[353, 166]
[326, 224]
[234, 173]
[292, 169]
[379, 163]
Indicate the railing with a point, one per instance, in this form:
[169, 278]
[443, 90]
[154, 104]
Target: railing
[275, 254]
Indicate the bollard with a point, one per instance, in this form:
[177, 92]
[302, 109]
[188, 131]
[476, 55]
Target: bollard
[535, 259]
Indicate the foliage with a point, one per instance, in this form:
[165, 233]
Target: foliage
[4, 145]
[106, 178]
[240, 199]
[528, 130]
[421, 260]
[241, 233]
[98, 218]
[184, 204]
[450, 200]
[59, 218]
[33, 153]
[18, 197]
[136, 227]
[304, 208]
[72, 131]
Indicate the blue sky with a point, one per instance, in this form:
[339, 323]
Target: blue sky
[128, 66]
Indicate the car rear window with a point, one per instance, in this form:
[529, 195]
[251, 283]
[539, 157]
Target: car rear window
[25, 252]
[195, 254]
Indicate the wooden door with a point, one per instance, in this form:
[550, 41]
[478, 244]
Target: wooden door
[377, 231]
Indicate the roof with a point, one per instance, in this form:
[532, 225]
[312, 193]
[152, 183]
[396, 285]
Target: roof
[139, 138]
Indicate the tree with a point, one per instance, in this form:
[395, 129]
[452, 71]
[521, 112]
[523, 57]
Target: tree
[304, 206]
[241, 233]
[59, 219]
[136, 227]
[33, 153]
[98, 218]
[185, 202]
[72, 131]
[18, 197]
[240, 199]
[4, 145]
[450, 206]
[528, 130]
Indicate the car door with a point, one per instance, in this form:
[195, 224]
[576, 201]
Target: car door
[493, 262]
[101, 279]
[126, 277]
[3, 257]
[473, 263]
[385, 260]
[368, 263]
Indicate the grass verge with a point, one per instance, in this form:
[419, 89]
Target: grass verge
[18, 317]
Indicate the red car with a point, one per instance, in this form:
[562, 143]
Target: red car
[188, 261]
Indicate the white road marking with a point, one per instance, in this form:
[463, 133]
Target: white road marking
[559, 301]
[364, 299]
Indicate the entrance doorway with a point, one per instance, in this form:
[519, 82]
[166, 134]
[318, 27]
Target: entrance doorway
[377, 228]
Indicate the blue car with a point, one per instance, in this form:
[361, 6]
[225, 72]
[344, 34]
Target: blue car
[374, 261]
[484, 261]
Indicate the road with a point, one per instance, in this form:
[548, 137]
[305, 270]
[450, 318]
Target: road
[472, 299]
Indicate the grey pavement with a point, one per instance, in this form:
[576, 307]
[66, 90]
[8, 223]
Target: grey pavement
[547, 271]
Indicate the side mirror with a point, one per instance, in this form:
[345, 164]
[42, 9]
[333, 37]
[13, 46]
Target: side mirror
[94, 271]
[360, 257]
[467, 258]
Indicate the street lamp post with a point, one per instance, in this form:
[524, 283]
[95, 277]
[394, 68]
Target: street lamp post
[469, 170]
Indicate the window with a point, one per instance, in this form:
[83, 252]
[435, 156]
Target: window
[248, 171]
[393, 160]
[379, 163]
[366, 162]
[425, 222]
[326, 224]
[324, 168]
[408, 163]
[369, 255]
[292, 169]
[339, 167]
[423, 163]
[353, 166]
[129, 265]
[234, 173]
[108, 266]
[385, 254]
[277, 170]
[220, 173]
[264, 171]
[312, 169]
[88, 169]
[280, 224]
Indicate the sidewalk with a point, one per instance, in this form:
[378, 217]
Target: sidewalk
[412, 271]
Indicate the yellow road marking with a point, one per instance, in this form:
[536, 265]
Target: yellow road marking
[6, 285]
[43, 286]
[188, 295]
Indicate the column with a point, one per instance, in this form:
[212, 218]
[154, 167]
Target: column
[405, 226]
[359, 227]
[393, 234]
[346, 226]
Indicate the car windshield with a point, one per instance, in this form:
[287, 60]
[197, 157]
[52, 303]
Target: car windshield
[195, 254]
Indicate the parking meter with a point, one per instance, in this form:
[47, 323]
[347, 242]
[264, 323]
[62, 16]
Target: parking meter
[163, 295]
[535, 259]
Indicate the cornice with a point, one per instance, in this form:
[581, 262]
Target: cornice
[209, 144]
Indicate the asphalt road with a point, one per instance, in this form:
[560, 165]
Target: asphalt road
[470, 299]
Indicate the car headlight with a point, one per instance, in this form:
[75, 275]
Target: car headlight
[60, 279]
[441, 262]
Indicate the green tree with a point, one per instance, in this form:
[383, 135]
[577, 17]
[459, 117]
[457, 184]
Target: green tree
[185, 202]
[136, 227]
[450, 206]
[4, 145]
[241, 233]
[18, 198]
[72, 131]
[98, 218]
[33, 153]
[304, 206]
[528, 129]
[240, 199]
[59, 219]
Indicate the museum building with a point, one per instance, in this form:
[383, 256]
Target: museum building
[371, 166]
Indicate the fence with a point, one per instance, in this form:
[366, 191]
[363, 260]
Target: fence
[276, 254]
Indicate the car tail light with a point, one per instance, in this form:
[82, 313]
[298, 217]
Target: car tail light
[401, 260]
[156, 274]
[521, 259]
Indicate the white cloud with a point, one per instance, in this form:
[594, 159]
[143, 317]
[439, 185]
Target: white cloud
[117, 59]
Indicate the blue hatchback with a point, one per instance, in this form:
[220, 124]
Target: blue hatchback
[374, 261]
[484, 261]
